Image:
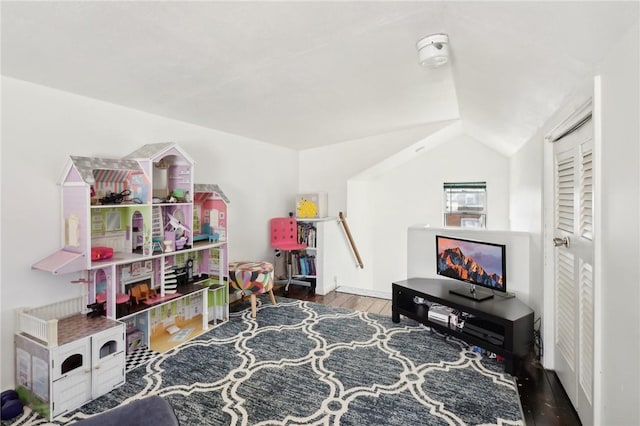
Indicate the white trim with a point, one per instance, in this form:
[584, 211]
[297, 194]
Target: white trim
[580, 113]
[364, 292]
[597, 255]
[584, 102]
[573, 109]
[316, 219]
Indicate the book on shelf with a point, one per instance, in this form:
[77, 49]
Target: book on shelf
[312, 265]
[303, 264]
[307, 234]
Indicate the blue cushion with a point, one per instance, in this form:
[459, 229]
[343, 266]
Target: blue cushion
[152, 410]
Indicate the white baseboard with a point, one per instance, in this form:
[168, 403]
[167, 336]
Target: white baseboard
[364, 292]
[324, 290]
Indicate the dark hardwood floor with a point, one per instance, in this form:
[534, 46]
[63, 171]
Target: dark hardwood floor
[544, 401]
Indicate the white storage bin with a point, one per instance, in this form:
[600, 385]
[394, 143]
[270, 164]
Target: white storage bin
[311, 205]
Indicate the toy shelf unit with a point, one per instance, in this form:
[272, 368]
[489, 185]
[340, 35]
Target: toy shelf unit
[65, 359]
[315, 263]
[303, 262]
[149, 244]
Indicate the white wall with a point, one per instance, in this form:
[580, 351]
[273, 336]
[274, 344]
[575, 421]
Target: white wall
[421, 261]
[41, 127]
[616, 233]
[414, 191]
[382, 208]
[620, 232]
[328, 168]
[525, 210]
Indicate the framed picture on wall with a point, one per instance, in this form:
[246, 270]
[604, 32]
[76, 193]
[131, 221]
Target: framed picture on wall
[135, 268]
[125, 272]
[148, 266]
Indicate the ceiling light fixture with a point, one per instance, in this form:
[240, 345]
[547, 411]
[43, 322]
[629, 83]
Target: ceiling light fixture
[433, 50]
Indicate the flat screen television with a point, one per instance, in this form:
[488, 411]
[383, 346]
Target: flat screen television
[478, 263]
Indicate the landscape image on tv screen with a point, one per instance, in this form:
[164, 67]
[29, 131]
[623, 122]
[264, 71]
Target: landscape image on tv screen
[474, 262]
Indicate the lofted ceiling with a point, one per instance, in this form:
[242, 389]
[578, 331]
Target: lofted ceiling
[307, 74]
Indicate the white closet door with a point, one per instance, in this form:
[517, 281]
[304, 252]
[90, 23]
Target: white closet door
[574, 267]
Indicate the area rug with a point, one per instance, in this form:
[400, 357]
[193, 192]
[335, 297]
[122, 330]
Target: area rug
[301, 363]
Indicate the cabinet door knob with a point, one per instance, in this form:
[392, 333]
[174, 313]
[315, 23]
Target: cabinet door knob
[558, 242]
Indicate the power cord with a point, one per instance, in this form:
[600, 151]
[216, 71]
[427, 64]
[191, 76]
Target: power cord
[537, 340]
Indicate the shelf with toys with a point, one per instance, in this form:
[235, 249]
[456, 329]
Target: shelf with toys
[150, 248]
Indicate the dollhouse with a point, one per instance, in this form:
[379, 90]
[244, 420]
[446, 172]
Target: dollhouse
[150, 248]
[209, 213]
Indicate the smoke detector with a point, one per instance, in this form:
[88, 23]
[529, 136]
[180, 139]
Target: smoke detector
[433, 50]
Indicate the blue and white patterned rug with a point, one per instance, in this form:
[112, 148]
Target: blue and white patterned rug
[301, 363]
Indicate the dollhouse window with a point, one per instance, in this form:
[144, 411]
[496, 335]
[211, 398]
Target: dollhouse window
[113, 221]
[71, 363]
[108, 348]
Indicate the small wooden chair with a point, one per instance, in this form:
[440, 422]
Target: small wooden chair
[142, 292]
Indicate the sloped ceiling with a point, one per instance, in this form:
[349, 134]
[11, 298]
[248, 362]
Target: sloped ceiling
[307, 74]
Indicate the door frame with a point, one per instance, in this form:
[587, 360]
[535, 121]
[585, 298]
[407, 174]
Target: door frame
[589, 91]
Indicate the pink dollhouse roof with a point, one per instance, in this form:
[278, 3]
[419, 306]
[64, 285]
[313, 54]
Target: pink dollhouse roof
[210, 188]
[106, 168]
[156, 150]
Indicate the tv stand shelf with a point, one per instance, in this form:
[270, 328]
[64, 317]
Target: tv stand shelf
[508, 318]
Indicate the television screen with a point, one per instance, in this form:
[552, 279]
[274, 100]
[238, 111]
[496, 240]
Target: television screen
[475, 262]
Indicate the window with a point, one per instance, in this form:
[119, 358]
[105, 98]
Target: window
[465, 204]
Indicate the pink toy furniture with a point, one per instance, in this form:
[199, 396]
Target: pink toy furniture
[284, 238]
[251, 278]
[121, 299]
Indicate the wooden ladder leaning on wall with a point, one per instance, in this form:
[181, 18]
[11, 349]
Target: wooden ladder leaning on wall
[352, 244]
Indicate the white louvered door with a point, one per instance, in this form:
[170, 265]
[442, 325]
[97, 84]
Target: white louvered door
[574, 270]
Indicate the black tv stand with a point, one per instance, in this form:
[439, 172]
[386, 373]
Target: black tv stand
[503, 326]
[472, 293]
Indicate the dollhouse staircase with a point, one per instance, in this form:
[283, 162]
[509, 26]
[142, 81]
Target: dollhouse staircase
[157, 228]
[170, 280]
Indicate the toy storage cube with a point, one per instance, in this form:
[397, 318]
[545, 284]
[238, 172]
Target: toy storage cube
[311, 206]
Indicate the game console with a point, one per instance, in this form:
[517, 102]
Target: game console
[439, 313]
[485, 330]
